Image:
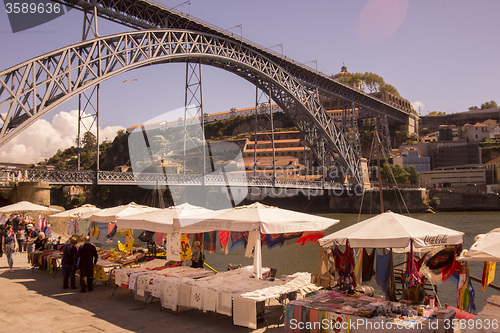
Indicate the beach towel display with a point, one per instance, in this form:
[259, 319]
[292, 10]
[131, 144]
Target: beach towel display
[94, 231]
[238, 238]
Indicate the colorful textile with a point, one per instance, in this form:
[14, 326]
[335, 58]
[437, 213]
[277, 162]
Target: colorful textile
[48, 231]
[159, 238]
[488, 273]
[224, 240]
[273, 240]
[383, 270]
[344, 265]
[94, 231]
[186, 252]
[238, 238]
[111, 232]
[74, 227]
[410, 276]
[358, 266]
[210, 241]
[368, 261]
[465, 291]
[310, 236]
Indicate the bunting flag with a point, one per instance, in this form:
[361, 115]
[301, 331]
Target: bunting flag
[210, 241]
[238, 238]
[186, 252]
[224, 240]
[488, 273]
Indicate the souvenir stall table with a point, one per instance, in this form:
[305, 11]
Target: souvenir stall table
[235, 293]
[337, 312]
[46, 260]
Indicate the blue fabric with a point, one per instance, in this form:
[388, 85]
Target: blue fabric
[383, 271]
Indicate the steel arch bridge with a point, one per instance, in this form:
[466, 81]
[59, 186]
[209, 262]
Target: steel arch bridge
[35, 87]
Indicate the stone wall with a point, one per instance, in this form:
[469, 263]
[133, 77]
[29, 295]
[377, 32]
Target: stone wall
[36, 192]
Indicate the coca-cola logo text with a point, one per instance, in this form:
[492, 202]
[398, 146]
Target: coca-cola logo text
[434, 240]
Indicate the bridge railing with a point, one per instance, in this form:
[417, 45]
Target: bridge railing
[63, 177]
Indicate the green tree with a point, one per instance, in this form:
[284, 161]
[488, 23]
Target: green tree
[489, 105]
[436, 113]
[414, 176]
[434, 202]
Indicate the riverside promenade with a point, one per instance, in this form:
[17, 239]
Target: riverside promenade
[34, 301]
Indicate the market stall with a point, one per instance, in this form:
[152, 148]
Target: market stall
[338, 312]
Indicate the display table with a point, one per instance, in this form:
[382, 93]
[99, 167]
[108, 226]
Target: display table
[336, 312]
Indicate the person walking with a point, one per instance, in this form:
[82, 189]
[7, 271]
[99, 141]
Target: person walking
[10, 245]
[87, 253]
[69, 263]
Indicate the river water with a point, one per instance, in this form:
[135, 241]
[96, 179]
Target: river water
[292, 258]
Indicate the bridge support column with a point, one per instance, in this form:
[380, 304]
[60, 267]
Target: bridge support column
[36, 192]
[263, 106]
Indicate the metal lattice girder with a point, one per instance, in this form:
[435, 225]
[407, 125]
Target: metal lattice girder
[143, 14]
[35, 87]
[383, 134]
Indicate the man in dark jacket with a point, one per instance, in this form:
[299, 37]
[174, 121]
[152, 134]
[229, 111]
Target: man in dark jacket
[69, 263]
[88, 258]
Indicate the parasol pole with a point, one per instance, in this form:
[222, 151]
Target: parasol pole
[257, 256]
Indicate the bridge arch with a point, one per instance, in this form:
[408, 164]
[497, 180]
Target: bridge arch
[35, 87]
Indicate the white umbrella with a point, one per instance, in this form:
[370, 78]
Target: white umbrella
[83, 212]
[486, 247]
[162, 220]
[109, 215]
[26, 206]
[266, 220]
[391, 230]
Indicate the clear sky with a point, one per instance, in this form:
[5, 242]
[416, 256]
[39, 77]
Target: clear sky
[440, 54]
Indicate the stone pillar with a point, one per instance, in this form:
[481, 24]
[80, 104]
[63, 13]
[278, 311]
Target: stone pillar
[36, 192]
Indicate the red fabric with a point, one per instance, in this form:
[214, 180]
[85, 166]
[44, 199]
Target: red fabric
[310, 236]
[460, 314]
[224, 237]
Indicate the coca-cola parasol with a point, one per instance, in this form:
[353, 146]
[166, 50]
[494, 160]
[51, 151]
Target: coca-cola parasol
[391, 230]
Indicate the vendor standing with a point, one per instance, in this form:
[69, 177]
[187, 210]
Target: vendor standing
[31, 236]
[198, 258]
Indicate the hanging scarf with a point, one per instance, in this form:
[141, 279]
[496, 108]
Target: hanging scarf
[383, 269]
[94, 231]
[310, 236]
[224, 240]
[368, 261]
[272, 240]
[238, 238]
[344, 264]
[111, 232]
[210, 241]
